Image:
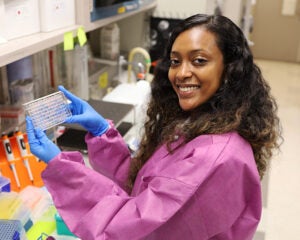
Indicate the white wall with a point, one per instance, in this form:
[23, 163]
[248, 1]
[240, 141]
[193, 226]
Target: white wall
[183, 8]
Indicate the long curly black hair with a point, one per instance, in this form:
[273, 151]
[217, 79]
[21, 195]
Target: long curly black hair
[243, 102]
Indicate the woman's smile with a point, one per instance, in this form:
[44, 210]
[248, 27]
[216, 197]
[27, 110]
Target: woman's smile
[187, 90]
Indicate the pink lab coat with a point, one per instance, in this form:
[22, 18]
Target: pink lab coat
[207, 189]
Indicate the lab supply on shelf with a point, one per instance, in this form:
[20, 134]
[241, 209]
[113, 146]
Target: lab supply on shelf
[20, 81]
[80, 71]
[110, 42]
[20, 69]
[48, 111]
[103, 9]
[122, 63]
[145, 2]
[21, 91]
[56, 14]
[22, 15]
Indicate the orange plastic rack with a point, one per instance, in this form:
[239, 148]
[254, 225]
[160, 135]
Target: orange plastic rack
[36, 166]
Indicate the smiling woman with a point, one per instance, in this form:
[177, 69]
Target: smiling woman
[210, 130]
[196, 67]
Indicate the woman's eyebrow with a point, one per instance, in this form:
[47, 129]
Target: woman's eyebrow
[200, 50]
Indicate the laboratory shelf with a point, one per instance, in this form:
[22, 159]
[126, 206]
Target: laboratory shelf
[25, 46]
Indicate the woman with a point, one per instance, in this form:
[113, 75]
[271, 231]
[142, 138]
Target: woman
[210, 131]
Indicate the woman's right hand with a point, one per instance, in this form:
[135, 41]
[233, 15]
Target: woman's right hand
[40, 145]
[85, 115]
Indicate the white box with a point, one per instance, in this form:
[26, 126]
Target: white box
[2, 39]
[18, 18]
[55, 14]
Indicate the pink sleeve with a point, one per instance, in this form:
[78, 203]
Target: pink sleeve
[109, 155]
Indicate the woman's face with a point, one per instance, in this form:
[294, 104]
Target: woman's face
[196, 67]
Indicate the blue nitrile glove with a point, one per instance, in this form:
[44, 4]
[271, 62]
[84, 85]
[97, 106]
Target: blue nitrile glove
[85, 115]
[40, 145]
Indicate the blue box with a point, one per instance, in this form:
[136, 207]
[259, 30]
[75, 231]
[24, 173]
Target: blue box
[112, 10]
[4, 184]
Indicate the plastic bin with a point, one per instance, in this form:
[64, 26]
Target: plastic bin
[19, 18]
[55, 14]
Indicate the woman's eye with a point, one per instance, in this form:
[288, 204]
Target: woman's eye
[174, 62]
[200, 61]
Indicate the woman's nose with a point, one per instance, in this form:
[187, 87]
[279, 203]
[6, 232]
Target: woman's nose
[184, 71]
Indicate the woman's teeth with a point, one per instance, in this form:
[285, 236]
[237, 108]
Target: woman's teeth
[186, 89]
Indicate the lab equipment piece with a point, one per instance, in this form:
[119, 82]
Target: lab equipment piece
[139, 62]
[23, 152]
[10, 157]
[48, 111]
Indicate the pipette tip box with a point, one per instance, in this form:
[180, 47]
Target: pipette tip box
[11, 229]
